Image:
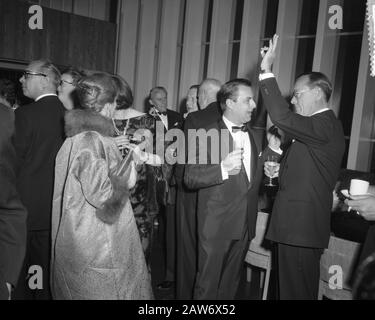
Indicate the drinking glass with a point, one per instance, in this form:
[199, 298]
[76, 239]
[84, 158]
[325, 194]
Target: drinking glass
[272, 165]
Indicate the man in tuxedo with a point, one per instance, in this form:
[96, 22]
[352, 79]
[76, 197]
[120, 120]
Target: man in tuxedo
[12, 212]
[39, 136]
[228, 192]
[170, 119]
[187, 199]
[300, 220]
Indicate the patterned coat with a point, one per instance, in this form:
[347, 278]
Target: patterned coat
[96, 249]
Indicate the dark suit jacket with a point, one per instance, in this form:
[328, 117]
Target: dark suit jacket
[202, 118]
[175, 119]
[12, 213]
[309, 170]
[39, 136]
[197, 120]
[226, 208]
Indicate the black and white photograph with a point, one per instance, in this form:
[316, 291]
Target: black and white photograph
[189, 155]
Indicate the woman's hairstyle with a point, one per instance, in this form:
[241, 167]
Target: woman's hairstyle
[96, 90]
[8, 91]
[124, 98]
[75, 73]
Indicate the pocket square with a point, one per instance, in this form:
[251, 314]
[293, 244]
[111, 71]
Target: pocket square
[260, 154]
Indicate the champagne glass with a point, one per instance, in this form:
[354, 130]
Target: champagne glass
[272, 165]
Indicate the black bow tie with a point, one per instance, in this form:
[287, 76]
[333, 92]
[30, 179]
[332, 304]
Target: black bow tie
[236, 129]
[163, 113]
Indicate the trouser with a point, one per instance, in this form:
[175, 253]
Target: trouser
[299, 270]
[186, 239]
[33, 283]
[220, 263]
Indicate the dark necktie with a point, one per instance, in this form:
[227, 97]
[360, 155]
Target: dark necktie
[236, 129]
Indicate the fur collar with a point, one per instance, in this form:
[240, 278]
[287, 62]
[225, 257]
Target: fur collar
[78, 121]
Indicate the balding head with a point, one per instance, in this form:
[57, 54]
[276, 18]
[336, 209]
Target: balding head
[207, 92]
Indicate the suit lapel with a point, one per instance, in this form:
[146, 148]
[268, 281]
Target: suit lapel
[226, 140]
[254, 155]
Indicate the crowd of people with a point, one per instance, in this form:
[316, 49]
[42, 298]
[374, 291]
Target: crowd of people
[83, 186]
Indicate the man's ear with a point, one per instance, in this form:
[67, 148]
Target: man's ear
[150, 102]
[319, 93]
[229, 104]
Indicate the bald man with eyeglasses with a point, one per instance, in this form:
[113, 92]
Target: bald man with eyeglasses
[39, 136]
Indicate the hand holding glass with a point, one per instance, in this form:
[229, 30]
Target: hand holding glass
[271, 166]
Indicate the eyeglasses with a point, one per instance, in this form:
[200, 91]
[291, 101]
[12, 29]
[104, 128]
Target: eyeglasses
[298, 93]
[64, 81]
[26, 74]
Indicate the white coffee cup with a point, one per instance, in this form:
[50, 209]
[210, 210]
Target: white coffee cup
[358, 187]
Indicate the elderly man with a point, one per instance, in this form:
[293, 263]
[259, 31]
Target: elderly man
[300, 220]
[12, 213]
[228, 192]
[209, 112]
[39, 136]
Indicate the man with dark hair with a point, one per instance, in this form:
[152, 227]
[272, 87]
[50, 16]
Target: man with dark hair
[39, 136]
[228, 192]
[12, 213]
[300, 220]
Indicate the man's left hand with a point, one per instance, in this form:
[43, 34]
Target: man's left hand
[269, 55]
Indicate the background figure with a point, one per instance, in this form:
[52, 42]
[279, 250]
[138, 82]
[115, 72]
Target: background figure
[186, 203]
[12, 213]
[39, 136]
[192, 100]
[128, 121]
[7, 93]
[166, 188]
[67, 88]
[97, 253]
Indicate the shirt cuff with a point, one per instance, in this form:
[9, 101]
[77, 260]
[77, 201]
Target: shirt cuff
[224, 173]
[263, 76]
[279, 151]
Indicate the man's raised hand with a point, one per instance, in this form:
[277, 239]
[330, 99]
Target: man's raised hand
[269, 54]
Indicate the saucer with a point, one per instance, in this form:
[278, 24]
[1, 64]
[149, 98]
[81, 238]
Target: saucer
[346, 194]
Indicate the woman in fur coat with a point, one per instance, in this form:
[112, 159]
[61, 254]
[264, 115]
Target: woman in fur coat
[96, 249]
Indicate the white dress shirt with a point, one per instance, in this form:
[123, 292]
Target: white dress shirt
[241, 140]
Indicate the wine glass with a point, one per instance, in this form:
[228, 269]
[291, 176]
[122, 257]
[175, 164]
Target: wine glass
[272, 165]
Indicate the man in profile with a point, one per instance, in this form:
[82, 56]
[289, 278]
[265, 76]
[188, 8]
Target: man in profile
[39, 136]
[228, 187]
[300, 220]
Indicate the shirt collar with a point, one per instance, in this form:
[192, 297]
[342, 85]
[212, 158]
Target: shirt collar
[230, 124]
[320, 111]
[45, 95]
